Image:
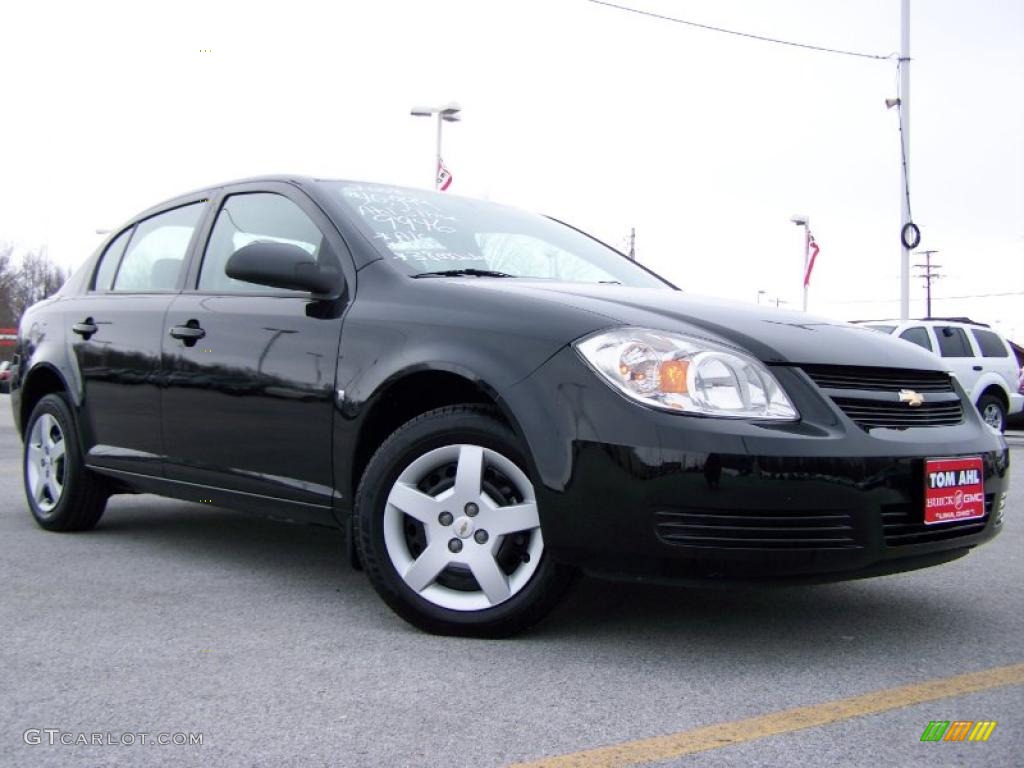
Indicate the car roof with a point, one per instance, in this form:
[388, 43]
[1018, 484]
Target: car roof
[201, 192]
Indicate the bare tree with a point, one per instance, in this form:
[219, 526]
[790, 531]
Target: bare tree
[8, 280]
[21, 286]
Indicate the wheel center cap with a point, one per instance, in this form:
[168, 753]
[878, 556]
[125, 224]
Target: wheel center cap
[463, 527]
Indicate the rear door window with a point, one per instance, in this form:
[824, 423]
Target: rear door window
[953, 341]
[918, 335]
[156, 252]
[990, 344]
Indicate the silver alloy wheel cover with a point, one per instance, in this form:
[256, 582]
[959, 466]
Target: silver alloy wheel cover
[420, 573]
[46, 462]
[993, 416]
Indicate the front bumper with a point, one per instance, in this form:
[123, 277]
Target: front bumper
[1016, 403]
[627, 491]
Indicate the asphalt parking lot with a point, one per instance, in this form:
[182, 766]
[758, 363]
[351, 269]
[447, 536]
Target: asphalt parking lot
[175, 618]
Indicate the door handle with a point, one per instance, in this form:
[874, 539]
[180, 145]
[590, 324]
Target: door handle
[976, 367]
[189, 333]
[86, 328]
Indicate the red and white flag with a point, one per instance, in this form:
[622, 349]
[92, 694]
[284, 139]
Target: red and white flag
[444, 176]
[812, 254]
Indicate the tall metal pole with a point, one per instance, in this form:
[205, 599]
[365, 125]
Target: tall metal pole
[437, 156]
[904, 115]
[807, 253]
[928, 281]
[928, 276]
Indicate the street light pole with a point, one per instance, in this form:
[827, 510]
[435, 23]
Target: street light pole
[447, 113]
[805, 222]
[437, 154]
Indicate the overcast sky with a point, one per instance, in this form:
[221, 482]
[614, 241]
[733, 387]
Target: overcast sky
[706, 143]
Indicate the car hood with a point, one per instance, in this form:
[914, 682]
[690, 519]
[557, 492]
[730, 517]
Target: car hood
[771, 335]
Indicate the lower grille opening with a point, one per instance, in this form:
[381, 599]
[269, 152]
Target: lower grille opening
[756, 529]
[903, 525]
[871, 414]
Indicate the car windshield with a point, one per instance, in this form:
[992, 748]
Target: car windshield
[435, 234]
[881, 328]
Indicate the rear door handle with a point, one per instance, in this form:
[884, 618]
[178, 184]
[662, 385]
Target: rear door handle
[189, 333]
[976, 367]
[86, 328]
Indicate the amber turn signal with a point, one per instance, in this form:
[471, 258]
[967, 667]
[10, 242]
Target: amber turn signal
[673, 376]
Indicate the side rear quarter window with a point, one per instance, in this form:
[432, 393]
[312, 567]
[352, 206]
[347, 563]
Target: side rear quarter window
[953, 341]
[156, 252]
[918, 335]
[103, 279]
[990, 344]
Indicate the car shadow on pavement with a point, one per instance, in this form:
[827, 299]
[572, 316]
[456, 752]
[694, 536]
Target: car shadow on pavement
[880, 615]
[892, 616]
[230, 539]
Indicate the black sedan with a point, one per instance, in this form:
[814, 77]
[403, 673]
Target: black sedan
[488, 401]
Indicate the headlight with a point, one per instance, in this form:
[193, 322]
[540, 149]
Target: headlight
[685, 374]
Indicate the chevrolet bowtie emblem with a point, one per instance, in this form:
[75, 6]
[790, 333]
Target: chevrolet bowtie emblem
[911, 398]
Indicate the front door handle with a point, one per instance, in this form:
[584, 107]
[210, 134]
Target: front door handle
[189, 333]
[86, 328]
[976, 367]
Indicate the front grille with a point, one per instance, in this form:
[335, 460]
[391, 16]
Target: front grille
[757, 529]
[903, 524]
[870, 396]
[878, 379]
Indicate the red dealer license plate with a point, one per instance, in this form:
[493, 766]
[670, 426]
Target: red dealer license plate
[954, 489]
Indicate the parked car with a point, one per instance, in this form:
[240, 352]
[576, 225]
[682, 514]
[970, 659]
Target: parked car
[488, 401]
[5, 376]
[978, 355]
[1016, 421]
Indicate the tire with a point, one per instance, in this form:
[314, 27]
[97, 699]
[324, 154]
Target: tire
[992, 412]
[62, 494]
[421, 519]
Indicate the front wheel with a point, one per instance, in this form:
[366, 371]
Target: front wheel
[449, 531]
[992, 412]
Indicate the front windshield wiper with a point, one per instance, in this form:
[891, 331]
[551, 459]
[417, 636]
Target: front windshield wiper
[468, 272]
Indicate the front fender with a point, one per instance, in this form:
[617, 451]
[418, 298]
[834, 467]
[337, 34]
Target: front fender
[986, 380]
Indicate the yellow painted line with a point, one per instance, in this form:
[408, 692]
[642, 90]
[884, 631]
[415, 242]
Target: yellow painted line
[720, 735]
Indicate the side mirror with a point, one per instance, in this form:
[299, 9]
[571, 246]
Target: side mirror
[281, 265]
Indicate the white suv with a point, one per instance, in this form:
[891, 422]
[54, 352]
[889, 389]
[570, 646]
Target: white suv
[980, 358]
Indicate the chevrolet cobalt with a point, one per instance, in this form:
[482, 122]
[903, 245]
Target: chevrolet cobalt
[488, 402]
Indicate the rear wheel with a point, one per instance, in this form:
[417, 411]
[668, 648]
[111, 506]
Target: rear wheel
[993, 412]
[449, 531]
[62, 494]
